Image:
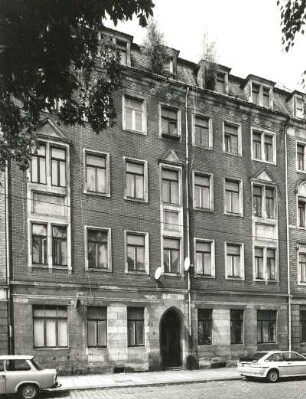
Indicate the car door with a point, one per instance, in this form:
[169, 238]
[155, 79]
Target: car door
[294, 365]
[2, 378]
[17, 370]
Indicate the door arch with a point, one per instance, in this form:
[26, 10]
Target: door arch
[170, 339]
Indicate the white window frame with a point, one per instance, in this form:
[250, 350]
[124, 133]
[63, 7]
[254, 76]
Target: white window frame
[144, 114]
[240, 182]
[260, 94]
[50, 223]
[296, 152]
[145, 182]
[109, 248]
[300, 196]
[301, 249]
[147, 252]
[265, 247]
[179, 121]
[241, 245]
[264, 202]
[296, 99]
[172, 237]
[210, 130]
[212, 260]
[225, 75]
[211, 190]
[238, 125]
[180, 195]
[87, 151]
[262, 141]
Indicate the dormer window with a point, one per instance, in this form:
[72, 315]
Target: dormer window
[299, 111]
[122, 48]
[221, 83]
[261, 95]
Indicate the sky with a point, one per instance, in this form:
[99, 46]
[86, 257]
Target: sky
[247, 34]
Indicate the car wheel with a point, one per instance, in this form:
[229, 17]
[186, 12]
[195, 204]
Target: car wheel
[28, 391]
[272, 376]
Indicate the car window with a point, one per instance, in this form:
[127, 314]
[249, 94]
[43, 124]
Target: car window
[275, 357]
[293, 357]
[36, 364]
[17, 365]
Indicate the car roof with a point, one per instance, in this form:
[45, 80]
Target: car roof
[15, 357]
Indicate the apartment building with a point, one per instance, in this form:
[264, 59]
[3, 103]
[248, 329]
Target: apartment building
[163, 241]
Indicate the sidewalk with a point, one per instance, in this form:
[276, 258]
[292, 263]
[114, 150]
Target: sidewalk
[94, 381]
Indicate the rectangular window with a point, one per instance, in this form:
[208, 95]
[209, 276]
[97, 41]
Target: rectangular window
[96, 169]
[232, 197]
[263, 146]
[204, 258]
[302, 266]
[97, 241]
[259, 261]
[270, 202]
[134, 114]
[231, 139]
[299, 107]
[171, 249]
[135, 252]
[257, 201]
[220, 82]
[122, 48]
[96, 326]
[266, 97]
[39, 244]
[233, 260]
[300, 152]
[50, 326]
[301, 213]
[204, 326]
[236, 326]
[170, 186]
[135, 180]
[59, 245]
[202, 132]
[135, 322]
[169, 121]
[266, 326]
[271, 272]
[58, 167]
[303, 325]
[261, 95]
[255, 93]
[202, 191]
[38, 165]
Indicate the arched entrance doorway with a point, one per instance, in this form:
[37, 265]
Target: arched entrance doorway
[170, 339]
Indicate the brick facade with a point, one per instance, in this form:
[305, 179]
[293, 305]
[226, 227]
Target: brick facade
[170, 301]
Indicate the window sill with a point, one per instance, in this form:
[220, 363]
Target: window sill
[233, 278]
[202, 147]
[136, 346]
[105, 195]
[171, 137]
[201, 276]
[137, 272]
[135, 131]
[131, 199]
[301, 171]
[262, 161]
[232, 155]
[171, 274]
[239, 215]
[97, 270]
[209, 210]
[50, 348]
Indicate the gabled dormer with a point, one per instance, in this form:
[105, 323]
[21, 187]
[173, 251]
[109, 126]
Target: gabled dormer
[123, 44]
[296, 102]
[259, 91]
[222, 79]
[212, 76]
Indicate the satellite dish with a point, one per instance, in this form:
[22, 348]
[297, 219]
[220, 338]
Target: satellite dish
[158, 273]
[186, 264]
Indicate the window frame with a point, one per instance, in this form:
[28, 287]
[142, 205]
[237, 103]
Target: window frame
[260, 100]
[211, 190]
[264, 202]
[298, 98]
[109, 248]
[162, 105]
[144, 114]
[145, 198]
[242, 326]
[176, 238]
[240, 196]
[179, 173]
[106, 156]
[136, 344]
[209, 319]
[302, 324]
[239, 138]
[96, 328]
[241, 257]
[267, 320]
[300, 143]
[50, 307]
[301, 250]
[146, 252]
[212, 258]
[265, 275]
[264, 133]
[196, 115]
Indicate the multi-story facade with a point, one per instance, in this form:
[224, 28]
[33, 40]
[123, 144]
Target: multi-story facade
[164, 241]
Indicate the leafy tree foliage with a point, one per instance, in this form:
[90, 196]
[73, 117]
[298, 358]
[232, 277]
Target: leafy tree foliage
[154, 47]
[52, 58]
[293, 18]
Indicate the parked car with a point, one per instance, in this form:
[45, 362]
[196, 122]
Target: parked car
[273, 365]
[23, 375]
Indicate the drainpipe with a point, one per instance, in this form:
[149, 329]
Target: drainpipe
[187, 214]
[287, 239]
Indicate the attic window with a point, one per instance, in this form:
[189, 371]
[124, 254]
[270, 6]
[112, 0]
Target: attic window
[261, 95]
[122, 48]
[299, 111]
[221, 83]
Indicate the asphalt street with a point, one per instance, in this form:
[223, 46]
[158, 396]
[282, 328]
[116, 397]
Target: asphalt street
[286, 389]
